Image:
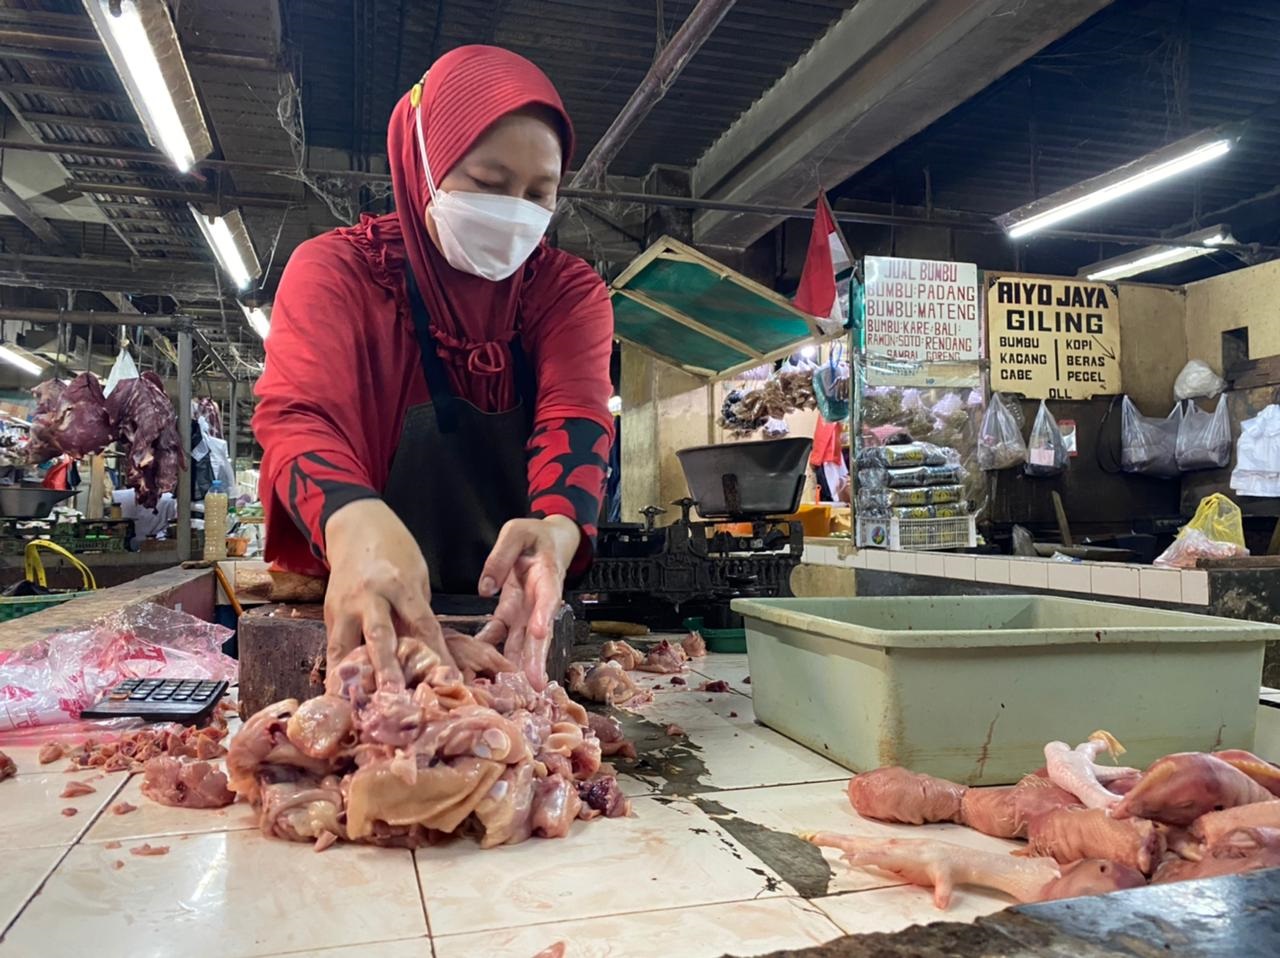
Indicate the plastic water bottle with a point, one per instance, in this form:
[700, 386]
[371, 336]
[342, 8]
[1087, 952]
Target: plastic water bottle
[215, 523]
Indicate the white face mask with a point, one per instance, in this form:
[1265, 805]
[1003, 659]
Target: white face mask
[481, 233]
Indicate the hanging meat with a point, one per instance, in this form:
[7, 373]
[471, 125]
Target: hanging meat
[71, 419]
[148, 426]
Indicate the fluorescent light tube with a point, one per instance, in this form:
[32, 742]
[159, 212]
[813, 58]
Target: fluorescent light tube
[15, 358]
[258, 319]
[1156, 257]
[143, 46]
[229, 241]
[1146, 171]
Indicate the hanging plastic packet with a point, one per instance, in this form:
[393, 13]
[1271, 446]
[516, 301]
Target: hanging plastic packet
[1000, 444]
[1204, 439]
[1257, 471]
[900, 455]
[1149, 445]
[1047, 453]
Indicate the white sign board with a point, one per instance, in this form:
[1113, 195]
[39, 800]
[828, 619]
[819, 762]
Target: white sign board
[919, 313]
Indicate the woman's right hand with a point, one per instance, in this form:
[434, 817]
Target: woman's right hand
[379, 589]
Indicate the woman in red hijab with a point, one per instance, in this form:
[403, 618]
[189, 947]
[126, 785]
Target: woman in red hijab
[433, 413]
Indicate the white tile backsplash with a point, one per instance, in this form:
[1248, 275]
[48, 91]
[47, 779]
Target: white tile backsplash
[1160, 585]
[988, 569]
[903, 562]
[1029, 573]
[1070, 577]
[1115, 579]
[960, 567]
[877, 560]
[931, 563]
[1195, 587]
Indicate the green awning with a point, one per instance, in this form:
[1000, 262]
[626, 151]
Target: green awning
[688, 310]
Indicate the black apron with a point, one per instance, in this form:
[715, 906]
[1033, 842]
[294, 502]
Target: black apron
[459, 473]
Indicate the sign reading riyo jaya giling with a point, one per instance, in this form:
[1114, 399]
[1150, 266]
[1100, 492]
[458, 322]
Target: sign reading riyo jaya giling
[922, 324]
[1053, 338]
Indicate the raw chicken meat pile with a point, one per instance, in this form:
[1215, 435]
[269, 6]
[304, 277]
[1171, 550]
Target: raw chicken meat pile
[1090, 828]
[472, 749]
[607, 681]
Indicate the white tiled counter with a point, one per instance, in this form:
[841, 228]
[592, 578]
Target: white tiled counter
[1105, 580]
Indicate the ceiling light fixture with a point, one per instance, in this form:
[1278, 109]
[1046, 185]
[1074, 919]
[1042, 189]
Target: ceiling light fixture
[229, 240]
[1166, 162]
[1148, 258]
[258, 318]
[143, 46]
[15, 358]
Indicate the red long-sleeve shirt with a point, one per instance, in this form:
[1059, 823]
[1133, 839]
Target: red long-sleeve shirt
[343, 367]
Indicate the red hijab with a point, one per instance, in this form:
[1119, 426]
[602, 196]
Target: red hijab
[464, 93]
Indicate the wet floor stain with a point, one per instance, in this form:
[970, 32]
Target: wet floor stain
[800, 864]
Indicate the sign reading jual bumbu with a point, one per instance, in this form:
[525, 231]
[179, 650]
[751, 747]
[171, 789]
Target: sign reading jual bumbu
[922, 319]
[1053, 338]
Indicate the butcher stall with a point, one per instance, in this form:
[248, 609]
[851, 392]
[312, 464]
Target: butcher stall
[664, 814]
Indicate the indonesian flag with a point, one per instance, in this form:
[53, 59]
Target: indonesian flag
[827, 257]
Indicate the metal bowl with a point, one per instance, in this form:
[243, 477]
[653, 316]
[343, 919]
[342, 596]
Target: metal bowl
[744, 479]
[30, 500]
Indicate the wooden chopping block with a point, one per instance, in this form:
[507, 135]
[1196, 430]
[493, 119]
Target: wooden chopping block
[282, 651]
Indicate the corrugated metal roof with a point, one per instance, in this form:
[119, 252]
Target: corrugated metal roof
[359, 56]
[1138, 75]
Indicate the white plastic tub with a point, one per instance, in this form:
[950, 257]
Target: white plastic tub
[970, 688]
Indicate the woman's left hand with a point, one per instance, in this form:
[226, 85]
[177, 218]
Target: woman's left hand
[527, 568]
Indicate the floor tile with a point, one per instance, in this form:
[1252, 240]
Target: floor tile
[932, 564]
[960, 567]
[751, 757]
[988, 569]
[695, 710]
[405, 948]
[709, 931]
[1029, 573]
[26, 759]
[1160, 585]
[668, 851]
[1115, 579]
[235, 889]
[1195, 587]
[733, 668]
[824, 806]
[878, 560]
[23, 871]
[1070, 577]
[151, 818]
[32, 816]
[899, 907]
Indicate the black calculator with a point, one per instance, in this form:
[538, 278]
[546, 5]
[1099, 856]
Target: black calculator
[159, 700]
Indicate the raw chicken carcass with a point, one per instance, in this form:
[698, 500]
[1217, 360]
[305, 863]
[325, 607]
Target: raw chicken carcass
[609, 731]
[1260, 770]
[1212, 827]
[1007, 811]
[664, 658]
[1244, 850]
[942, 865]
[1178, 789]
[1077, 771]
[695, 647]
[608, 684]
[895, 794]
[1071, 834]
[321, 726]
[171, 781]
[622, 652]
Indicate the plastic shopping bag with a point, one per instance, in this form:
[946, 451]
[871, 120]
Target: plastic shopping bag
[51, 681]
[124, 368]
[1204, 439]
[1149, 445]
[1047, 453]
[1198, 381]
[1000, 444]
[1216, 531]
[1257, 471]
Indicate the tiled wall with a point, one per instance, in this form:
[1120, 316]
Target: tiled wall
[1113, 579]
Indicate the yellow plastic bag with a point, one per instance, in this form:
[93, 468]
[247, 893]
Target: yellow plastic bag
[1219, 519]
[1216, 531]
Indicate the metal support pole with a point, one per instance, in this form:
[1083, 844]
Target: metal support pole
[232, 429]
[184, 433]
